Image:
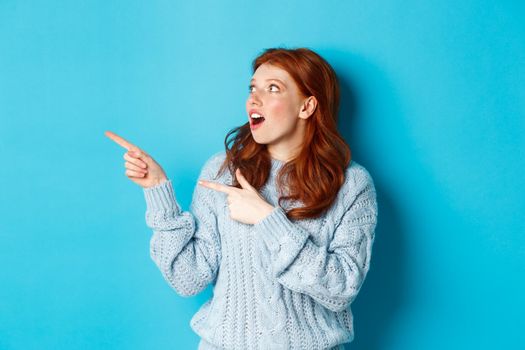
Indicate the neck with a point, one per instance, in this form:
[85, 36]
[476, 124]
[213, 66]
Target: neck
[286, 150]
[284, 153]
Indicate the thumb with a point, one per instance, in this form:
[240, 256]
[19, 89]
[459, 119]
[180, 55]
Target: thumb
[242, 180]
[138, 152]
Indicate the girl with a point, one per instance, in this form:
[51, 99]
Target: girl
[285, 235]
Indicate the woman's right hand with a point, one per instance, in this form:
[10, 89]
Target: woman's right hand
[141, 168]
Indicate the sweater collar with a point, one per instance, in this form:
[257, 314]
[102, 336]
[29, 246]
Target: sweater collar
[276, 163]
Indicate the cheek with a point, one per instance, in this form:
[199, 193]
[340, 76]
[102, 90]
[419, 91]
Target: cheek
[280, 110]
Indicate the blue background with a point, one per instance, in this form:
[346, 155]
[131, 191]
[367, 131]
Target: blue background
[433, 106]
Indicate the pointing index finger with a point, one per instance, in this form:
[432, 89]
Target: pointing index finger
[127, 145]
[217, 186]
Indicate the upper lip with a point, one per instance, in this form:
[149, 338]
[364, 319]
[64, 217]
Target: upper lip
[251, 111]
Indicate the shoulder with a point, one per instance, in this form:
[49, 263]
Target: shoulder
[357, 177]
[215, 159]
[358, 186]
[212, 165]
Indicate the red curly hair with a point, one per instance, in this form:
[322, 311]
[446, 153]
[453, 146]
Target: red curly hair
[315, 176]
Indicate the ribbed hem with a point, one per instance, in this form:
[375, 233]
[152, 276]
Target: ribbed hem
[161, 197]
[278, 232]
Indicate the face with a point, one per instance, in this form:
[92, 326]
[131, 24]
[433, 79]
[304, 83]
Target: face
[274, 95]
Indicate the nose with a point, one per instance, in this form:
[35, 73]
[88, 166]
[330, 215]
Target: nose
[254, 99]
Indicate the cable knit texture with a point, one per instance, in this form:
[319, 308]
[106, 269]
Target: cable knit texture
[278, 284]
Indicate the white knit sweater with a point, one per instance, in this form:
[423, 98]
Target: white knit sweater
[278, 284]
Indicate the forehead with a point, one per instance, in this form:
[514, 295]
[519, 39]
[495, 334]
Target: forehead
[268, 71]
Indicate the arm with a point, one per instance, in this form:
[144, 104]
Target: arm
[185, 244]
[332, 275]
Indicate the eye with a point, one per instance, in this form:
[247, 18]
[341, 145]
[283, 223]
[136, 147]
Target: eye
[275, 86]
[250, 88]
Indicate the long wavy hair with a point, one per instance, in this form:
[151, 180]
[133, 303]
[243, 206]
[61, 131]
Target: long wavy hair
[316, 174]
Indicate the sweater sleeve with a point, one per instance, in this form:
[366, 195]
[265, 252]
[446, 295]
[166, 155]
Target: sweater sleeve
[333, 274]
[185, 245]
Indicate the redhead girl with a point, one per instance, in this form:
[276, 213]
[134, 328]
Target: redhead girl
[281, 222]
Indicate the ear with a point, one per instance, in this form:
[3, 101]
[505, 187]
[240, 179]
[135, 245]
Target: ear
[308, 107]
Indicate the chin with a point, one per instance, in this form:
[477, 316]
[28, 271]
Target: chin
[259, 141]
[256, 138]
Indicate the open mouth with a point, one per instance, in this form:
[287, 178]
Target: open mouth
[256, 119]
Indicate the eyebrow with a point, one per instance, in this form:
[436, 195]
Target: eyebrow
[271, 80]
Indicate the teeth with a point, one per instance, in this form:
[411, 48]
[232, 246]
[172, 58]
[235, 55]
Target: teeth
[256, 115]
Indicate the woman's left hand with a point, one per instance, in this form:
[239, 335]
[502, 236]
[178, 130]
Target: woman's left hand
[246, 204]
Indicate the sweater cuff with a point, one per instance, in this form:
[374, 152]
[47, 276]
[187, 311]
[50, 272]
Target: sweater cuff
[279, 233]
[161, 197]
